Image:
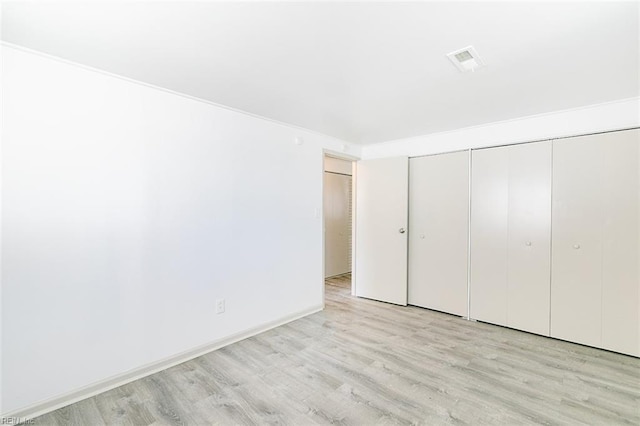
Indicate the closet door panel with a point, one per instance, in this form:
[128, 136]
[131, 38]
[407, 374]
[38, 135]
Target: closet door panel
[489, 220]
[438, 232]
[576, 280]
[529, 241]
[620, 279]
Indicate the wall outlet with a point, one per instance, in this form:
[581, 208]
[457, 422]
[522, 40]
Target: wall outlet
[219, 306]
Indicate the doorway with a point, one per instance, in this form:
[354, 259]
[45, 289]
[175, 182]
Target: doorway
[338, 203]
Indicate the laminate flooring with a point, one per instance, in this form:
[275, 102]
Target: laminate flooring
[361, 362]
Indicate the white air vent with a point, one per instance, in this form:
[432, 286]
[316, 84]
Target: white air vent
[466, 59]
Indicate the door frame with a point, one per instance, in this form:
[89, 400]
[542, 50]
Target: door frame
[353, 159]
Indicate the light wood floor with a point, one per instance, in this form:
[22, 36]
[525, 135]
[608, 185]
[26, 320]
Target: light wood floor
[361, 362]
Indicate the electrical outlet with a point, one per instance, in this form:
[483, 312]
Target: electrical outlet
[220, 306]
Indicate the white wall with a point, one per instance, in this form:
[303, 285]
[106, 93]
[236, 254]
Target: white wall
[128, 210]
[596, 118]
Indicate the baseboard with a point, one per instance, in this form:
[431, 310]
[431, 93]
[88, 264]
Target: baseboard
[101, 386]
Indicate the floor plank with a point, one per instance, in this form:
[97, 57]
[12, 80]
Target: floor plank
[361, 362]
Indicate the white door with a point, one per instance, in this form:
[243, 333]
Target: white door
[529, 241]
[511, 236]
[595, 286]
[381, 229]
[438, 237]
[621, 243]
[578, 216]
[489, 236]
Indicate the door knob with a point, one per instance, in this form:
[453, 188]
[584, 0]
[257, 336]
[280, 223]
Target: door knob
[576, 246]
[528, 243]
[401, 230]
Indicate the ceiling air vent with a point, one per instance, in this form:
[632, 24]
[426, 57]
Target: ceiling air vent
[466, 59]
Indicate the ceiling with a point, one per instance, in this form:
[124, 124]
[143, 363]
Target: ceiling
[364, 72]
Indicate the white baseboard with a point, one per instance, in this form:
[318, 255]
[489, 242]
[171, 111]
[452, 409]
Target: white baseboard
[51, 404]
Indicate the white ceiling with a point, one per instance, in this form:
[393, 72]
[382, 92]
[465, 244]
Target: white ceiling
[362, 71]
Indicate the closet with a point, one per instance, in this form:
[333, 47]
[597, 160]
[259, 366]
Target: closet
[438, 232]
[595, 283]
[542, 237]
[511, 236]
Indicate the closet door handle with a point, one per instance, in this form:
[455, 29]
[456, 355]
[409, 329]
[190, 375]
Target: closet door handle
[401, 230]
[576, 246]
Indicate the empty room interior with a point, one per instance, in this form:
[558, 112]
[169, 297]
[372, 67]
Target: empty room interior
[319, 212]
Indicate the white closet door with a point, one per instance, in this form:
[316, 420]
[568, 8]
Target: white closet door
[489, 222]
[381, 222]
[529, 237]
[438, 237]
[578, 214]
[511, 236]
[595, 280]
[620, 253]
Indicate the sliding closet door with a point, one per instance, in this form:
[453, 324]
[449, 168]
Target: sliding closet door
[511, 236]
[381, 222]
[438, 237]
[595, 281]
